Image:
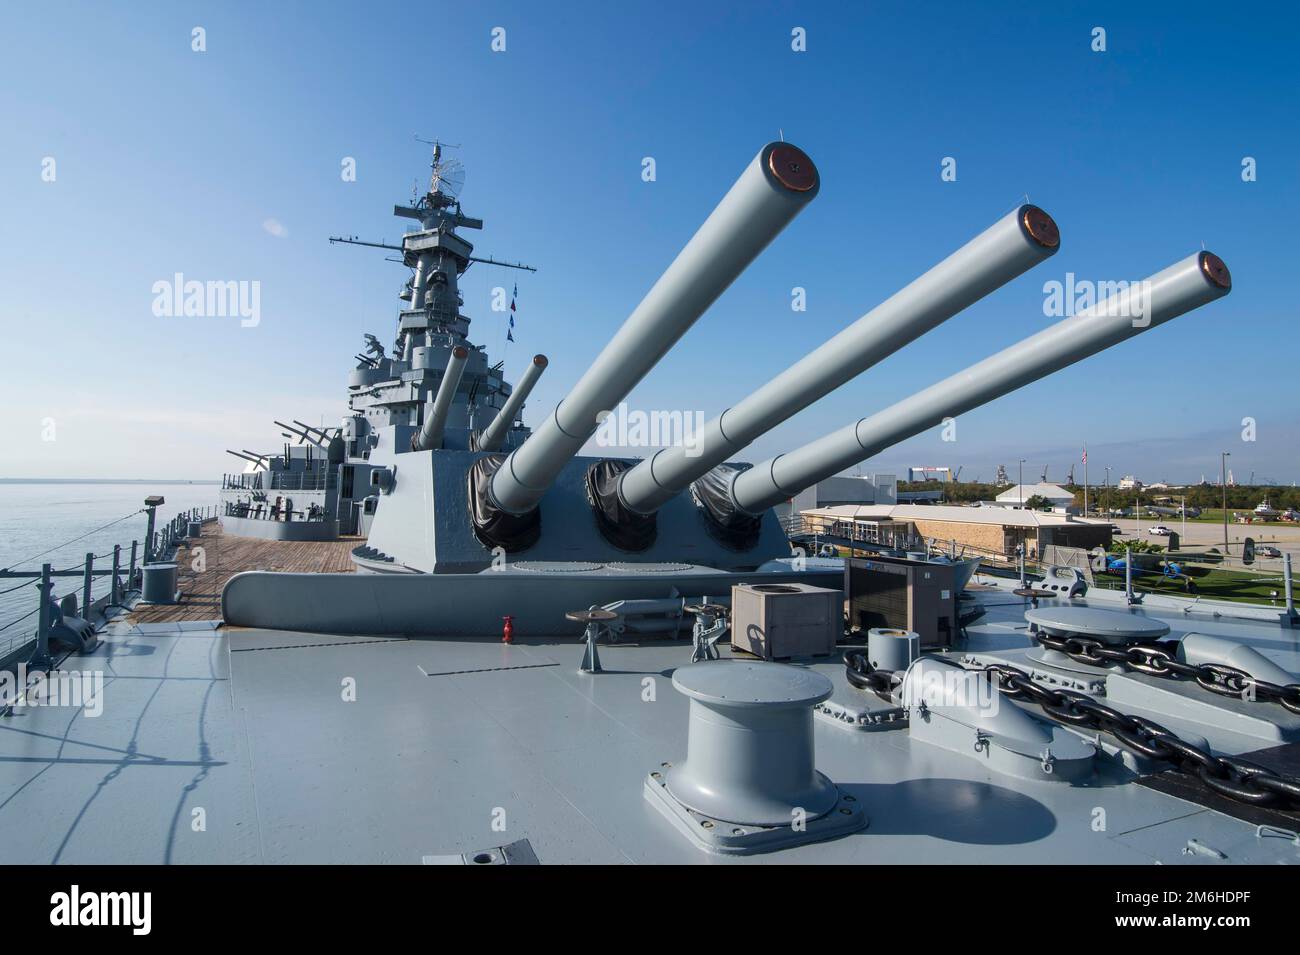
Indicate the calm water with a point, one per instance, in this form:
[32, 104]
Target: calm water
[36, 517]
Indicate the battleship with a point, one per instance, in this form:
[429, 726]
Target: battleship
[536, 655]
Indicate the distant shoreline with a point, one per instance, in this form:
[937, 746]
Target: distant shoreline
[102, 481]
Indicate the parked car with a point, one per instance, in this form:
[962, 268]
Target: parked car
[1265, 550]
[1159, 530]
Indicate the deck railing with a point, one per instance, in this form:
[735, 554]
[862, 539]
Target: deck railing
[25, 637]
[280, 481]
[821, 530]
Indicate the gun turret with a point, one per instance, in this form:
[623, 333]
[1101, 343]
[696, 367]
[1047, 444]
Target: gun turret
[776, 186]
[435, 419]
[1013, 245]
[496, 432]
[246, 457]
[301, 432]
[1189, 284]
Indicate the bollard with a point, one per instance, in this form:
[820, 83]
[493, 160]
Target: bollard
[159, 585]
[85, 586]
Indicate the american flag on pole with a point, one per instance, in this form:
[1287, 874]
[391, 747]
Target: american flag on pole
[1085, 456]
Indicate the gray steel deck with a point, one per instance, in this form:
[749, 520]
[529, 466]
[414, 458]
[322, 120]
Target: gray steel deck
[446, 738]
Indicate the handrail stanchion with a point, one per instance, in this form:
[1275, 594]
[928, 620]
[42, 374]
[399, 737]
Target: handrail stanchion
[41, 658]
[115, 593]
[1289, 589]
[1128, 574]
[150, 542]
[130, 576]
[85, 585]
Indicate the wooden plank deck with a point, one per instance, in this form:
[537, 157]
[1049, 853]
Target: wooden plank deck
[224, 556]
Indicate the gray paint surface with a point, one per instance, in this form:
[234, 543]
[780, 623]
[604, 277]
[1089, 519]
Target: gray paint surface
[424, 524]
[745, 221]
[990, 260]
[445, 737]
[281, 530]
[1171, 292]
[536, 595]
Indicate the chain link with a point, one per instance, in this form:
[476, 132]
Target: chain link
[1229, 776]
[1159, 659]
[861, 674]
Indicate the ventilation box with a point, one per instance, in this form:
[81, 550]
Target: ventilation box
[780, 621]
[903, 594]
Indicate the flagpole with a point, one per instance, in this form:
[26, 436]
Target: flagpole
[1085, 481]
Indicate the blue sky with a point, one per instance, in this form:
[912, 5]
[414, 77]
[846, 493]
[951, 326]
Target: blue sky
[170, 160]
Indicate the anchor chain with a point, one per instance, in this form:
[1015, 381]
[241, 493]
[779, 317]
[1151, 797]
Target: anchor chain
[862, 675]
[1159, 659]
[1228, 776]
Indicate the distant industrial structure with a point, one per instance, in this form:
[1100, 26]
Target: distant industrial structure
[941, 474]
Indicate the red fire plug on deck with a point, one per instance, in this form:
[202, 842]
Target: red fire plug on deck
[508, 631]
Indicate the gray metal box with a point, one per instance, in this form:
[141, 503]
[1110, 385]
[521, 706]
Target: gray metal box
[779, 621]
[904, 595]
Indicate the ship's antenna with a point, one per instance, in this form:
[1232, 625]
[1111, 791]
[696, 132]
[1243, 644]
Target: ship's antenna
[445, 177]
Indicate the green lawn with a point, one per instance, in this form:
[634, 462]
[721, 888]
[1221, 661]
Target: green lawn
[1213, 584]
[1214, 515]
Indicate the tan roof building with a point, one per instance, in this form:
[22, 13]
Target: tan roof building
[990, 531]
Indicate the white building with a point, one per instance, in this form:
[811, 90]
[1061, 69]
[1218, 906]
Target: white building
[1060, 499]
[1129, 483]
[864, 489]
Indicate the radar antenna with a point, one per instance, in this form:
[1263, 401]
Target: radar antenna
[446, 176]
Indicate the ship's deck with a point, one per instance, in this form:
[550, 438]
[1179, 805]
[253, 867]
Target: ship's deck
[218, 746]
[225, 555]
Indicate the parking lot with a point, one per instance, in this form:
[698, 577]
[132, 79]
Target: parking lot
[1285, 537]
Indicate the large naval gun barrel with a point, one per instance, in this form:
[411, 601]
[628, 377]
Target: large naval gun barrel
[1186, 285]
[435, 419]
[771, 191]
[496, 432]
[1011, 246]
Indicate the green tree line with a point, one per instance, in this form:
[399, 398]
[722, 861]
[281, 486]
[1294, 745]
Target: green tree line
[1240, 497]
